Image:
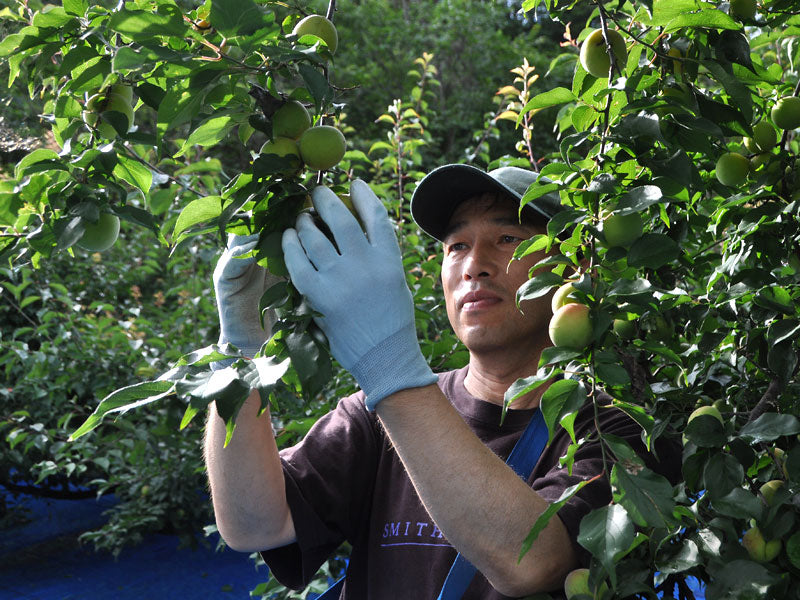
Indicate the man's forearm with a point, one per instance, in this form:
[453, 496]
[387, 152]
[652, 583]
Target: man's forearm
[483, 508]
[246, 479]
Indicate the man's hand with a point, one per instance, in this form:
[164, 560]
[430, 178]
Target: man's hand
[239, 284]
[360, 290]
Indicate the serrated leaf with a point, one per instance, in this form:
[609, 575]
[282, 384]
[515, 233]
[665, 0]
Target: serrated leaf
[646, 495]
[605, 532]
[560, 403]
[124, 399]
[209, 133]
[769, 427]
[134, 172]
[549, 512]
[653, 250]
[538, 286]
[198, 211]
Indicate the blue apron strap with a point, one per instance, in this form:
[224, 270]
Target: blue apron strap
[522, 459]
[333, 592]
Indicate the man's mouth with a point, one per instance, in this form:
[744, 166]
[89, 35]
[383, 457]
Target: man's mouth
[479, 300]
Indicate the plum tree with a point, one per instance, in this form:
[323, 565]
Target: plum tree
[117, 99]
[285, 148]
[319, 27]
[595, 57]
[563, 295]
[732, 169]
[100, 236]
[571, 326]
[322, 147]
[760, 549]
[764, 138]
[622, 230]
[626, 330]
[290, 120]
[786, 113]
[744, 10]
[769, 489]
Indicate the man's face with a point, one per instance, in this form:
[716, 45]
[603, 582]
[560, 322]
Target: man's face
[479, 283]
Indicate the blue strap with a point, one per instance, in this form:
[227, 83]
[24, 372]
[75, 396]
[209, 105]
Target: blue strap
[522, 459]
[333, 592]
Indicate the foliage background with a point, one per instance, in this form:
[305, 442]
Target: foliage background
[711, 286]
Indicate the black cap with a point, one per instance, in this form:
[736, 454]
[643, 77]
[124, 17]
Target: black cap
[444, 188]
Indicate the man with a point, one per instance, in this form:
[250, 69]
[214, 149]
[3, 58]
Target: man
[411, 470]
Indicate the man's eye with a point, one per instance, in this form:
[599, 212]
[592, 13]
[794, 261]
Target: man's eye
[455, 247]
[511, 239]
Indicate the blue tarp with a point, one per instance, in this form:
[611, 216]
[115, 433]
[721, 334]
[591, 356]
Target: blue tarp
[41, 560]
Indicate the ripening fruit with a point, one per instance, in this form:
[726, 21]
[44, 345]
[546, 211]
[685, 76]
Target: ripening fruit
[677, 65]
[562, 296]
[764, 138]
[711, 411]
[117, 99]
[594, 56]
[626, 330]
[769, 489]
[744, 10]
[622, 230]
[732, 169]
[284, 147]
[320, 27]
[758, 548]
[100, 236]
[786, 113]
[571, 326]
[576, 585]
[290, 120]
[322, 147]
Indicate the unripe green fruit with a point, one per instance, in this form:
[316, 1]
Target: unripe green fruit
[622, 230]
[563, 295]
[732, 169]
[744, 10]
[320, 27]
[595, 57]
[100, 236]
[764, 137]
[577, 584]
[710, 411]
[758, 548]
[284, 147]
[769, 489]
[626, 330]
[786, 113]
[117, 99]
[290, 120]
[571, 326]
[322, 147]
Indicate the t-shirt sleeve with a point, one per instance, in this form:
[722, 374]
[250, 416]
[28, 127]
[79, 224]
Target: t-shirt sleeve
[326, 475]
[588, 462]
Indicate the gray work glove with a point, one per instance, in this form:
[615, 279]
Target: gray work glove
[239, 284]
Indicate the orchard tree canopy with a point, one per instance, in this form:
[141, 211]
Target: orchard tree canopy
[673, 150]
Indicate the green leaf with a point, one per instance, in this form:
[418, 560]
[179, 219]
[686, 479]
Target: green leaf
[653, 250]
[51, 16]
[645, 495]
[142, 25]
[526, 385]
[606, 532]
[134, 172]
[705, 431]
[538, 286]
[198, 211]
[177, 107]
[316, 83]
[638, 199]
[739, 504]
[210, 132]
[76, 7]
[550, 511]
[793, 549]
[721, 474]
[560, 403]
[236, 17]
[36, 156]
[125, 399]
[742, 579]
[554, 97]
[676, 14]
[769, 427]
[685, 556]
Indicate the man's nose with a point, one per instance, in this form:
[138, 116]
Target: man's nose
[479, 264]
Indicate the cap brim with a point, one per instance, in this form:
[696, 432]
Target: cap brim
[439, 193]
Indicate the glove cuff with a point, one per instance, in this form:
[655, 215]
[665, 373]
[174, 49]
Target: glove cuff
[393, 365]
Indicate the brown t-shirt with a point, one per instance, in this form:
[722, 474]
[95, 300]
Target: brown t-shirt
[345, 483]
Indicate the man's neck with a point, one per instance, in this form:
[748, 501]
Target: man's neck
[489, 380]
